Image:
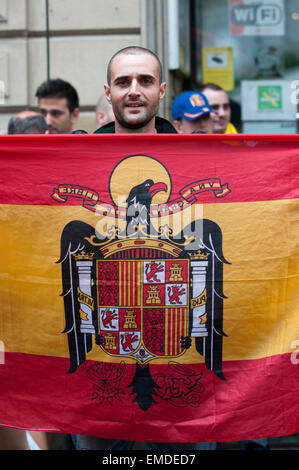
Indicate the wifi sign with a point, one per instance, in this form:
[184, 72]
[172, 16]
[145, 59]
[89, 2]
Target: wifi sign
[262, 18]
[256, 15]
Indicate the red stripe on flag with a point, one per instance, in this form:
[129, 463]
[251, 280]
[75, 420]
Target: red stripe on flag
[126, 286]
[40, 395]
[138, 285]
[131, 283]
[255, 167]
[168, 329]
[121, 281]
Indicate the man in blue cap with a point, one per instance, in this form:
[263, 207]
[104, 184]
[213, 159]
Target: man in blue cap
[191, 113]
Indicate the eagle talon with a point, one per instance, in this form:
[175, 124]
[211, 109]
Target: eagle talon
[185, 342]
[100, 340]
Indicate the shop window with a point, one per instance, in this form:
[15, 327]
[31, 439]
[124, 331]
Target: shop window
[237, 41]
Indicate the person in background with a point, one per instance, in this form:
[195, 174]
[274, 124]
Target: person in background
[26, 113]
[191, 113]
[220, 102]
[58, 103]
[27, 122]
[104, 111]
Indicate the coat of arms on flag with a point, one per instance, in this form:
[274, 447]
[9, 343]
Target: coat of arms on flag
[143, 292]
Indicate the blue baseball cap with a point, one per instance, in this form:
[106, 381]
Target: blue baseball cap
[190, 105]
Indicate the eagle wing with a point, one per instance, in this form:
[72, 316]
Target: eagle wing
[207, 236]
[72, 241]
[211, 346]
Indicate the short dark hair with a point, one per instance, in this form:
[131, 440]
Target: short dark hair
[210, 86]
[133, 50]
[28, 125]
[58, 88]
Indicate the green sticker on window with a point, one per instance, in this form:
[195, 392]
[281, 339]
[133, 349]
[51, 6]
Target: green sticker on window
[270, 97]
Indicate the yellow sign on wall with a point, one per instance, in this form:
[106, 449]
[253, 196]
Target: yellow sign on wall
[217, 66]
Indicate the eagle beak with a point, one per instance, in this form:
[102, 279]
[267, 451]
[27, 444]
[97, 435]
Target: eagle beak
[157, 187]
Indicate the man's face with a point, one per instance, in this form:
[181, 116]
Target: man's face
[57, 115]
[203, 124]
[219, 101]
[135, 92]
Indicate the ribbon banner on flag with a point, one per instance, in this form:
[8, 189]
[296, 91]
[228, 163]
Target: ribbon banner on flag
[149, 286]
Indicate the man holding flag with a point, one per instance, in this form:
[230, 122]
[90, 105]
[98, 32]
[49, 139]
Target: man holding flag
[135, 89]
[153, 292]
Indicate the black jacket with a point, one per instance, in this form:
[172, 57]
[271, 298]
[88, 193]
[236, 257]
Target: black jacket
[162, 125]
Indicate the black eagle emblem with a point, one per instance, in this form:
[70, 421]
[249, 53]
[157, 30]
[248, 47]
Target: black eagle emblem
[202, 236]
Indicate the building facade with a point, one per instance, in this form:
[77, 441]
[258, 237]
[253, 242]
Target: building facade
[73, 40]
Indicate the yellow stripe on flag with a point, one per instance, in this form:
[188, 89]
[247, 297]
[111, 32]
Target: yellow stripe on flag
[260, 240]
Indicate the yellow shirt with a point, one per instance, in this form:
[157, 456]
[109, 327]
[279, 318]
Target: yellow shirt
[231, 129]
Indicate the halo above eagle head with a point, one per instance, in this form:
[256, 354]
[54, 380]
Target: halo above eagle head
[136, 170]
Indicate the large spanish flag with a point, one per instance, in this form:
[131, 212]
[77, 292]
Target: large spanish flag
[150, 286]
